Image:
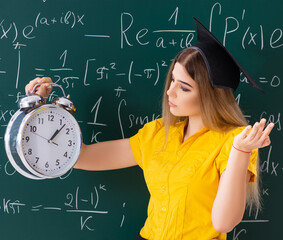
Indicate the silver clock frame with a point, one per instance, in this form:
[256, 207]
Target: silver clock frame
[13, 143]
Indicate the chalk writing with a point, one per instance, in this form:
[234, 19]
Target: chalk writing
[253, 35]
[113, 60]
[74, 203]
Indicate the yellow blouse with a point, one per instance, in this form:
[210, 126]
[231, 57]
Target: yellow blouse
[182, 179]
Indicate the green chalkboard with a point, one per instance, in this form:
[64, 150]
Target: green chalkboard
[112, 58]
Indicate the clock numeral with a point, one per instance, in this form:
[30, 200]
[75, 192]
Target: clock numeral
[27, 138]
[51, 118]
[67, 131]
[29, 151]
[33, 128]
[61, 122]
[40, 120]
[37, 159]
[47, 165]
[57, 162]
[66, 154]
[70, 143]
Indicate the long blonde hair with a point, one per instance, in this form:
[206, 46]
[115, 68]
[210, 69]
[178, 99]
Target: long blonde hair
[226, 116]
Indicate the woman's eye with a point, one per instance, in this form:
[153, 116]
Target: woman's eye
[185, 89]
[172, 79]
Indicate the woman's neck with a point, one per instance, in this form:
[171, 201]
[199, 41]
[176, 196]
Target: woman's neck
[194, 125]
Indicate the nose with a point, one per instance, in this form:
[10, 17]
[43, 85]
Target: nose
[171, 92]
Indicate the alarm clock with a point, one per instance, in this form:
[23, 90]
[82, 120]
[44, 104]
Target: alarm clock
[43, 140]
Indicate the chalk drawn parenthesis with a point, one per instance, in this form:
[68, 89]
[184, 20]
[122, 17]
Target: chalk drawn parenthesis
[158, 74]
[16, 32]
[66, 175]
[245, 35]
[18, 69]
[74, 20]
[119, 116]
[130, 72]
[36, 20]
[239, 233]
[97, 197]
[7, 165]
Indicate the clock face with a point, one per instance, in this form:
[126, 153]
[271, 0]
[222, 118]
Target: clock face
[50, 141]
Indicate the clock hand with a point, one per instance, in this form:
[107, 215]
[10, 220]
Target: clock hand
[43, 138]
[56, 133]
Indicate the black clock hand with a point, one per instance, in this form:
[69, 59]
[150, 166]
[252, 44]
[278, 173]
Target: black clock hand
[43, 138]
[56, 133]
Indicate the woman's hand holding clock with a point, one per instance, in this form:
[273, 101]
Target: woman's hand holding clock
[43, 90]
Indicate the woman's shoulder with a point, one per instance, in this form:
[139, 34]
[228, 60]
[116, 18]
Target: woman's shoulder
[151, 132]
[152, 127]
[157, 123]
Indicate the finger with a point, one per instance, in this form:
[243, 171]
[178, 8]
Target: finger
[266, 142]
[27, 89]
[260, 128]
[44, 90]
[245, 132]
[254, 131]
[42, 81]
[31, 84]
[45, 80]
[41, 89]
[34, 83]
[266, 131]
[261, 125]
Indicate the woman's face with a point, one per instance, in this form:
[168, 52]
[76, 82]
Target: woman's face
[183, 93]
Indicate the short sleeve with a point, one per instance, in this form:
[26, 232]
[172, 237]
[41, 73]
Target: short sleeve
[222, 159]
[136, 147]
[143, 143]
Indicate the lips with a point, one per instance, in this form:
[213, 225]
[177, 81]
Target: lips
[171, 104]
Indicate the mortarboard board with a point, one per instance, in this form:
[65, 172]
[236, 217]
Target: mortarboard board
[223, 69]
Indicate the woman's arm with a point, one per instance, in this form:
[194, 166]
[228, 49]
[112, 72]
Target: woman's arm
[230, 201]
[229, 204]
[106, 156]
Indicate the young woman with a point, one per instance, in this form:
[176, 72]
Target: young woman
[199, 161]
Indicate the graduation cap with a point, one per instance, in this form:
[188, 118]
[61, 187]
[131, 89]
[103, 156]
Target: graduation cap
[223, 68]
